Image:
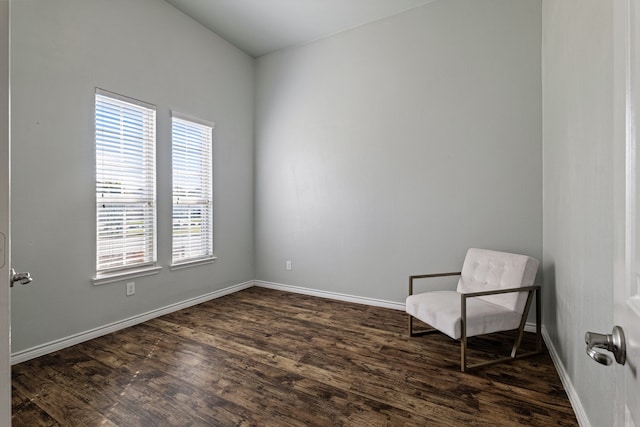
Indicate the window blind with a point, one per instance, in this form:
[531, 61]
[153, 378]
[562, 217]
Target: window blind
[125, 183]
[192, 190]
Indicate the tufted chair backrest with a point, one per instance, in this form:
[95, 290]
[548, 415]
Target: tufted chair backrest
[485, 270]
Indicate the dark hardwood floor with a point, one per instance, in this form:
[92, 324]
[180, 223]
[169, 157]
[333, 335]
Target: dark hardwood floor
[261, 357]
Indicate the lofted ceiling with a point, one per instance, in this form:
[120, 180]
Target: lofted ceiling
[258, 27]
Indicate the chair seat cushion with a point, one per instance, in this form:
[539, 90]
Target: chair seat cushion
[441, 310]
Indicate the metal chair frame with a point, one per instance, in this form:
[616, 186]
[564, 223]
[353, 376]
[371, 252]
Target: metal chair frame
[464, 366]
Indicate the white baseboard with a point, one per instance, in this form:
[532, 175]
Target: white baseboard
[331, 295]
[581, 415]
[41, 350]
[50, 347]
[528, 327]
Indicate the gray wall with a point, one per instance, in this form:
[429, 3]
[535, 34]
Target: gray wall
[578, 190]
[392, 148]
[145, 49]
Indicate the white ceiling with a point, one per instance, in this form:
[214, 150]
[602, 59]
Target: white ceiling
[259, 27]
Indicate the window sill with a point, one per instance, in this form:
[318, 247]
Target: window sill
[194, 263]
[125, 275]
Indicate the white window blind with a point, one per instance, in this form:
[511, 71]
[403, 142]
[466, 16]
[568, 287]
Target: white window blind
[192, 189]
[125, 183]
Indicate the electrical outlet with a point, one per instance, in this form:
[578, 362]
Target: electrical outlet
[131, 288]
[288, 265]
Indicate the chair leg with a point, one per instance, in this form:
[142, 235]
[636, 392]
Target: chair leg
[523, 321]
[463, 354]
[463, 334]
[538, 321]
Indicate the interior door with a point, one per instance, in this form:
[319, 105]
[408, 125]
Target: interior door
[5, 261]
[627, 206]
[628, 290]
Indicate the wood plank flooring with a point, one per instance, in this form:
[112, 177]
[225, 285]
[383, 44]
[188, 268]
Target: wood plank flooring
[262, 357]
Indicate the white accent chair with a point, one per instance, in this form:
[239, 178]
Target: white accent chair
[494, 294]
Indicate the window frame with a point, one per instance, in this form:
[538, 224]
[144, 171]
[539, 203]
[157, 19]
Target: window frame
[206, 245]
[136, 191]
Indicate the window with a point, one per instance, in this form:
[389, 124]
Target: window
[125, 184]
[192, 190]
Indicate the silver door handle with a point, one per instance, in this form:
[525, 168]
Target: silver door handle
[22, 278]
[613, 342]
